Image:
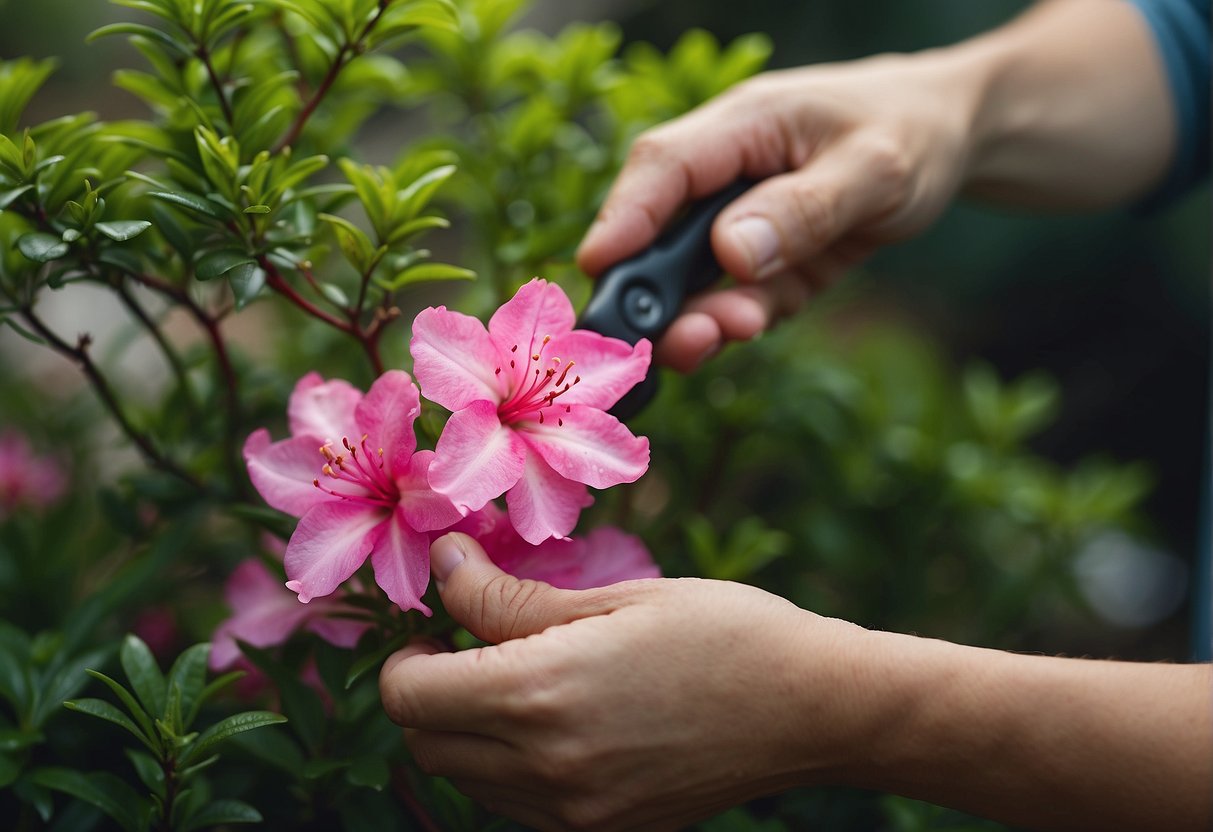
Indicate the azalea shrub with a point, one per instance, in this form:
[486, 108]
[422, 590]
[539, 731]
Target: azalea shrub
[201, 576]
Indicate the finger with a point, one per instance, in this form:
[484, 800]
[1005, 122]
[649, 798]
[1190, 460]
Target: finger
[460, 754]
[442, 691]
[737, 313]
[494, 605]
[673, 164]
[784, 222]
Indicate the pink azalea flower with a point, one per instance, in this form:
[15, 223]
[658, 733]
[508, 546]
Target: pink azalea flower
[351, 474]
[528, 397]
[27, 479]
[604, 556]
[264, 614]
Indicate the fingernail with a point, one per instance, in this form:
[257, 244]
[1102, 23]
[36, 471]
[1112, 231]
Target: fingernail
[445, 555]
[709, 352]
[760, 243]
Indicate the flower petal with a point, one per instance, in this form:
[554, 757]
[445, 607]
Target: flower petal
[544, 504]
[330, 543]
[402, 564]
[476, 458]
[263, 613]
[608, 556]
[589, 446]
[607, 367]
[283, 473]
[386, 415]
[341, 632]
[424, 508]
[538, 309]
[323, 409]
[454, 359]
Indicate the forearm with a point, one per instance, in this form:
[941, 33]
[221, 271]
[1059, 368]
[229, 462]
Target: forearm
[1047, 743]
[1073, 109]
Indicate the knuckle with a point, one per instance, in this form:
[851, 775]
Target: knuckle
[887, 162]
[651, 146]
[814, 214]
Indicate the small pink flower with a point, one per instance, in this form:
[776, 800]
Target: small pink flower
[27, 479]
[265, 614]
[528, 398]
[351, 474]
[604, 556]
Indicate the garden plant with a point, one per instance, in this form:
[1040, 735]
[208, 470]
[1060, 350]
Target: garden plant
[201, 573]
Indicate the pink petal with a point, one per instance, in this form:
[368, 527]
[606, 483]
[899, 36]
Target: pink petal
[518, 328]
[424, 508]
[341, 632]
[587, 445]
[607, 367]
[537, 309]
[454, 359]
[330, 543]
[402, 564]
[283, 473]
[476, 459]
[386, 415]
[544, 504]
[264, 613]
[609, 556]
[323, 409]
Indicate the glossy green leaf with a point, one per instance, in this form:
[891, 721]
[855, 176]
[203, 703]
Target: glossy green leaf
[218, 263]
[104, 710]
[41, 247]
[220, 731]
[247, 280]
[427, 272]
[370, 771]
[123, 229]
[194, 203]
[188, 675]
[136, 710]
[220, 812]
[144, 674]
[10, 196]
[106, 792]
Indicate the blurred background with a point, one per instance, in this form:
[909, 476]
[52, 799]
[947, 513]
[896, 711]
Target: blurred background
[1114, 307]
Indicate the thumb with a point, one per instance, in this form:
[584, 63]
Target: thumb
[494, 605]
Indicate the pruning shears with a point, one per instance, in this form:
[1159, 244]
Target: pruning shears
[641, 296]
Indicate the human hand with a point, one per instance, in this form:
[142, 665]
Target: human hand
[853, 156]
[643, 705]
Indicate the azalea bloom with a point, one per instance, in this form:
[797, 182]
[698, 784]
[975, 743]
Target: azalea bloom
[528, 397]
[605, 556]
[351, 474]
[27, 479]
[265, 614]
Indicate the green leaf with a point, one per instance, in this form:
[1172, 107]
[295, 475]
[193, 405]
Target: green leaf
[374, 659]
[150, 32]
[237, 724]
[335, 295]
[355, 244]
[7, 198]
[247, 280]
[418, 194]
[424, 272]
[188, 675]
[28, 336]
[14, 739]
[217, 263]
[370, 771]
[402, 232]
[41, 247]
[192, 201]
[10, 769]
[106, 792]
[123, 229]
[205, 694]
[104, 710]
[136, 710]
[149, 770]
[219, 812]
[144, 674]
[257, 209]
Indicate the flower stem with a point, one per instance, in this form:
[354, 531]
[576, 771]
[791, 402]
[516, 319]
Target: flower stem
[341, 60]
[80, 355]
[205, 57]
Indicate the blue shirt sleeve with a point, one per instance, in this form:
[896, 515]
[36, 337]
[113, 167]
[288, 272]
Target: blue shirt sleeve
[1181, 28]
